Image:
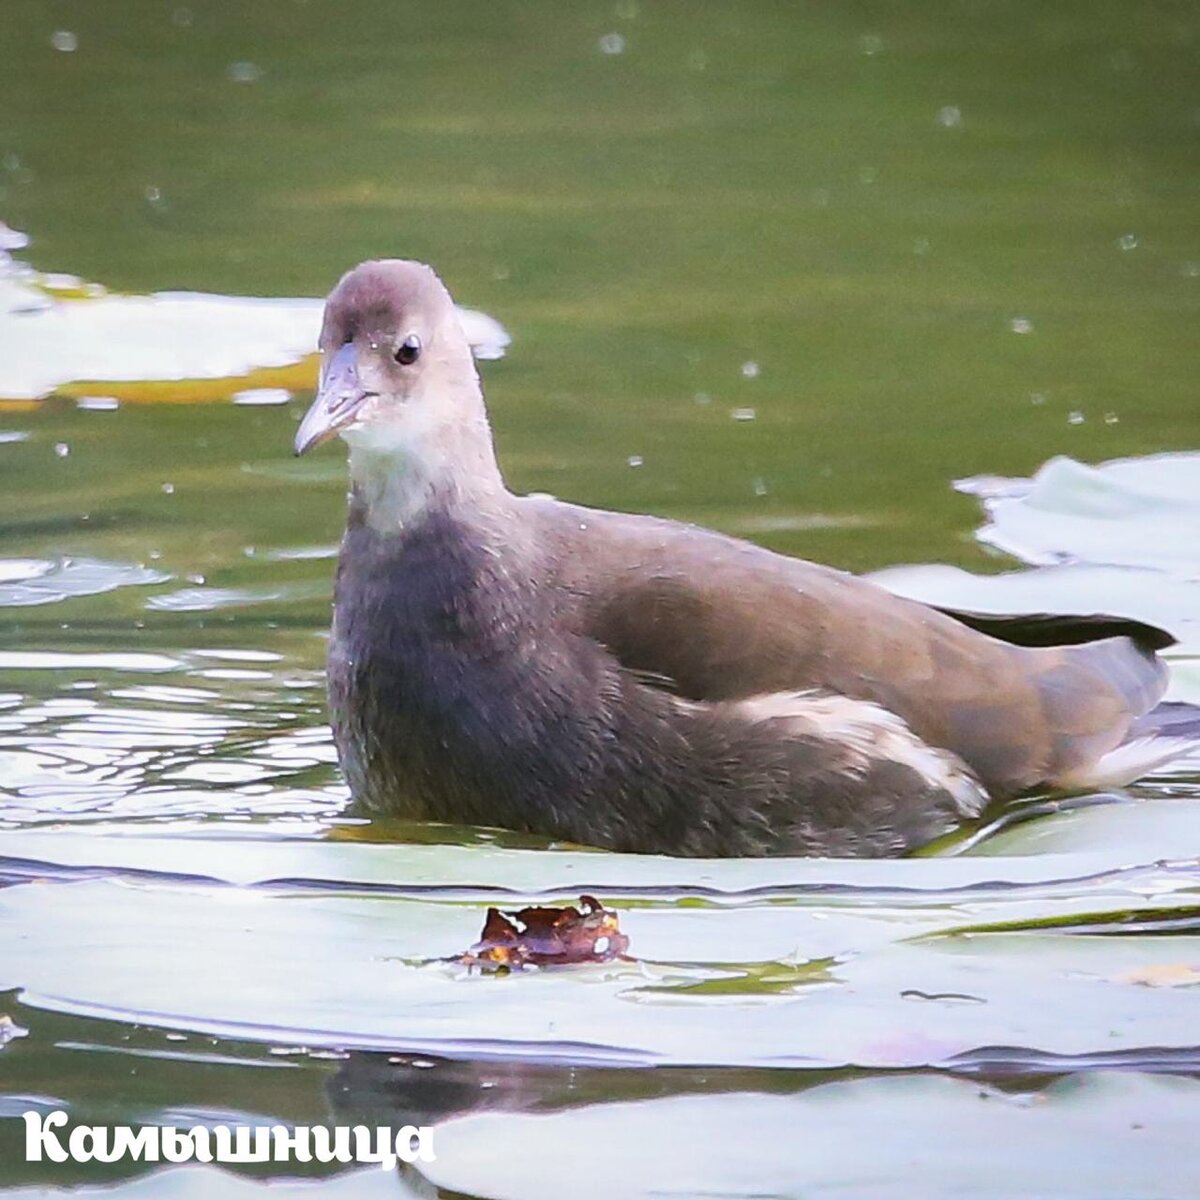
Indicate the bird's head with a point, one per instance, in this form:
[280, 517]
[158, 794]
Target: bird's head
[395, 363]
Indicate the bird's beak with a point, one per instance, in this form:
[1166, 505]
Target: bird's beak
[339, 399]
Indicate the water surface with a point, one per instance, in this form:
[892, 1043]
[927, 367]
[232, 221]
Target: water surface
[785, 270]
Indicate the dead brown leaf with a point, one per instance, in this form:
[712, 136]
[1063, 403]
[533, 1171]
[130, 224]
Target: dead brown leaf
[1162, 975]
[544, 936]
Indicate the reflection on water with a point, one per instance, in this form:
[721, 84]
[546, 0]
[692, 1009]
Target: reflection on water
[211, 739]
[42, 581]
[522, 1129]
[784, 270]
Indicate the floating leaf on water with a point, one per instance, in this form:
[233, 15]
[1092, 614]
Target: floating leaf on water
[541, 936]
[62, 334]
[1142, 512]
[1166, 602]
[1162, 975]
[9, 1030]
[1101, 1136]
[353, 929]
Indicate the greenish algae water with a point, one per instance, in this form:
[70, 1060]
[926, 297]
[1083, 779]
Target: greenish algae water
[916, 243]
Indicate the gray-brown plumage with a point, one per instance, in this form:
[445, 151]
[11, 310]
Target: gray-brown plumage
[645, 685]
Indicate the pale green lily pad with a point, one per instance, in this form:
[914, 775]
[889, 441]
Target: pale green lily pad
[295, 853]
[343, 945]
[1141, 512]
[1168, 602]
[1137, 831]
[196, 1182]
[1185, 679]
[1105, 1137]
[58, 331]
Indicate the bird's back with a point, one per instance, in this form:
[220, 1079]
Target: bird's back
[723, 619]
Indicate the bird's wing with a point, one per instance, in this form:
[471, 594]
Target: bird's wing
[725, 619]
[1059, 629]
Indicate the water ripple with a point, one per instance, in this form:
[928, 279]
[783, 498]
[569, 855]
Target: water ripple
[46, 581]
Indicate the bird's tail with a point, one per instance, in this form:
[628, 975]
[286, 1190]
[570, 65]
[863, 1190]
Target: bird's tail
[1167, 732]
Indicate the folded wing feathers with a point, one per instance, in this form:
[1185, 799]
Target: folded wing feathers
[867, 734]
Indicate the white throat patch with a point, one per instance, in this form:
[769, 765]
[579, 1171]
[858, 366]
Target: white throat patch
[395, 463]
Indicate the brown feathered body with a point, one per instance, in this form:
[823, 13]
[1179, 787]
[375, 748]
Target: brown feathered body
[640, 685]
[645, 685]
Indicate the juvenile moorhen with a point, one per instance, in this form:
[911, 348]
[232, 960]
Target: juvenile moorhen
[645, 685]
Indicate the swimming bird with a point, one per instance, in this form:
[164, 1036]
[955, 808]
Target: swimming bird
[646, 685]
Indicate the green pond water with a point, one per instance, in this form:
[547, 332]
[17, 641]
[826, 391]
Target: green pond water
[786, 270]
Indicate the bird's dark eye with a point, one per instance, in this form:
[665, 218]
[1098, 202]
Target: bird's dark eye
[409, 350]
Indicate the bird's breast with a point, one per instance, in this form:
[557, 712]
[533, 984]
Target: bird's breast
[446, 672]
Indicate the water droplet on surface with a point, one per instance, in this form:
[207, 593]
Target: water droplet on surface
[1021, 325]
[750, 370]
[64, 40]
[12, 239]
[262, 396]
[168, 489]
[1075, 418]
[743, 414]
[1128, 241]
[870, 44]
[62, 449]
[950, 117]
[244, 72]
[612, 43]
[635, 460]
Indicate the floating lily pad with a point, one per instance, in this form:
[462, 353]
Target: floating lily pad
[1130, 512]
[1107, 1137]
[61, 334]
[1168, 602]
[202, 1183]
[338, 944]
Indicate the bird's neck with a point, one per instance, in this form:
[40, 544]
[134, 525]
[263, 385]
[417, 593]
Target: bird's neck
[422, 463]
